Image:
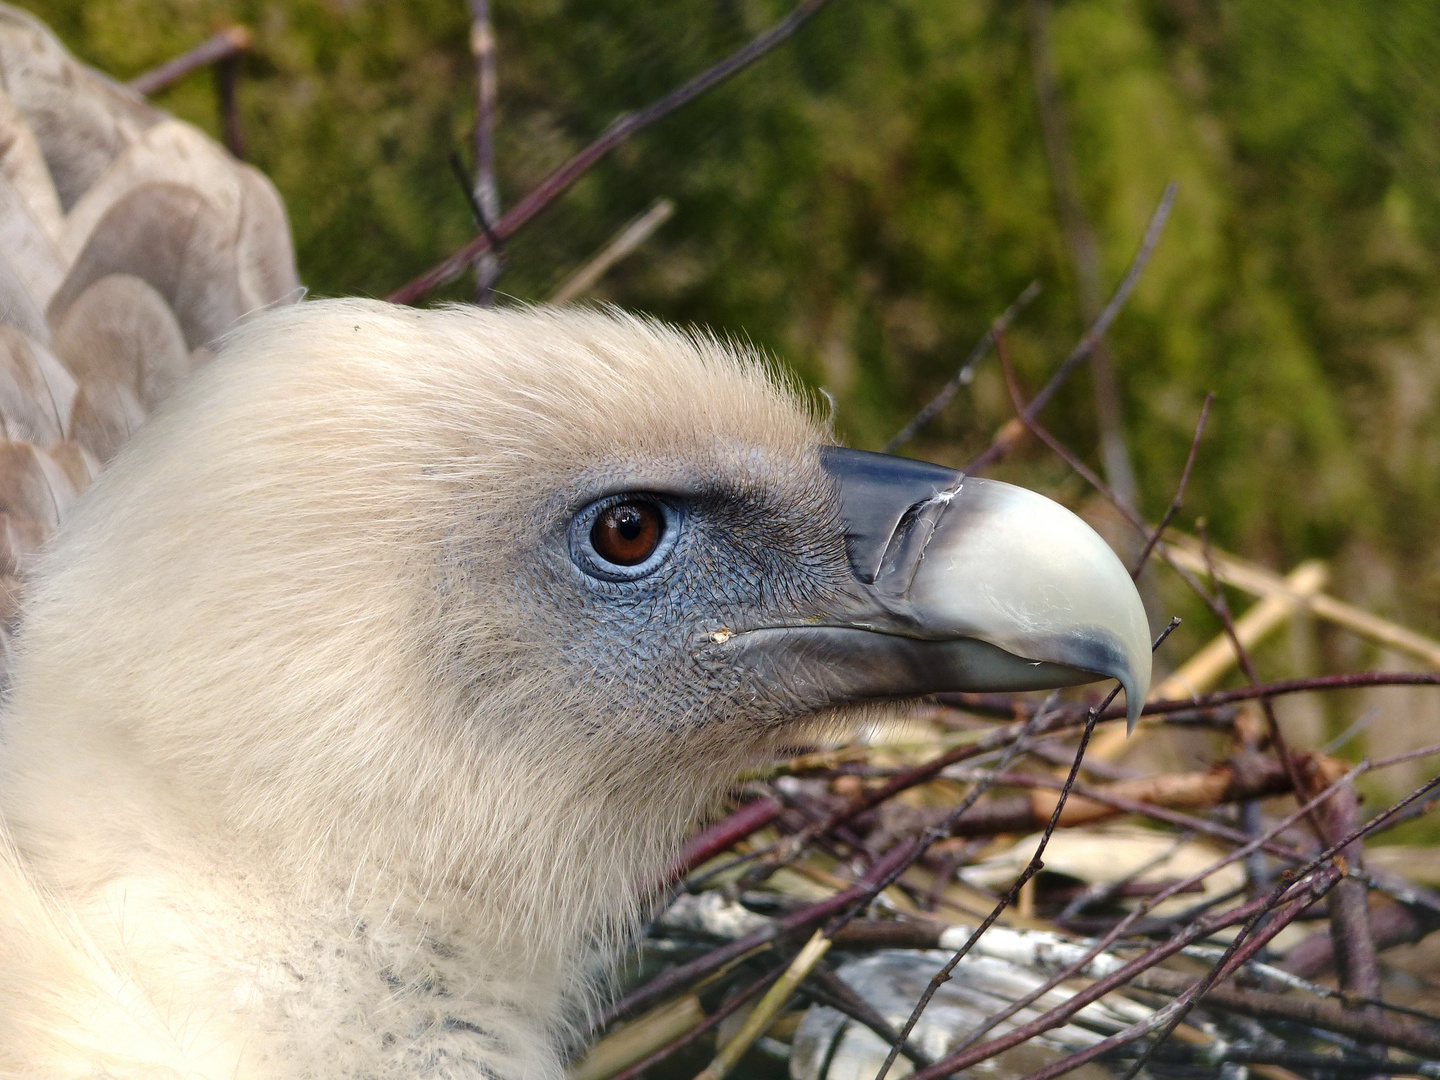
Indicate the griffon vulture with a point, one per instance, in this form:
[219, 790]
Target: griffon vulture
[358, 692]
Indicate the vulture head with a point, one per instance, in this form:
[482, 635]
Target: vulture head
[358, 694]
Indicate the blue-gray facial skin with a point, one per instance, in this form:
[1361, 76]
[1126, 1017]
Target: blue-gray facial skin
[776, 591]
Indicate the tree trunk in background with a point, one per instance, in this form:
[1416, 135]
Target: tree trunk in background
[1085, 253]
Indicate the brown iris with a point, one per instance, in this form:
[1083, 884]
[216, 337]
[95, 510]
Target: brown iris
[627, 533]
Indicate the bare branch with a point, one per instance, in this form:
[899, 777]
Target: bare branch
[554, 185]
[755, 816]
[1097, 329]
[621, 244]
[1355, 960]
[1032, 868]
[737, 1001]
[966, 372]
[1174, 507]
[1272, 723]
[224, 44]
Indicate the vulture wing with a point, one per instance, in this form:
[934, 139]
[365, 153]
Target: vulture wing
[129, 241]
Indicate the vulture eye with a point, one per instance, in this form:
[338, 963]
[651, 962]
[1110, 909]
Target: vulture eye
[623, 537]
[628, 533]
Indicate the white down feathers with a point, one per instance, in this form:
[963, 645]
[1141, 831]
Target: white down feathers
[268, 822]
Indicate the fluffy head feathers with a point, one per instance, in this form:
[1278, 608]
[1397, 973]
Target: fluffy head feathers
[321, 624]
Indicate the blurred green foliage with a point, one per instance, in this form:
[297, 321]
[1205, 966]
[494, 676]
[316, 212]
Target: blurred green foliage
[865, 199]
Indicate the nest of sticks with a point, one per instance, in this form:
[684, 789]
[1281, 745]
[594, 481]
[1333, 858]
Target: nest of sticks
[984, 885]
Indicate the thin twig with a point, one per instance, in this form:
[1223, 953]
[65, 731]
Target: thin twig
[714, 1020]
[621, 244]
[875, 881]
[1242, 655]
[967, 370]
[227, 96]
[1099, 988]
[1097, 330]
[625, 125]
[829, 989]
[1104, 891]
[221, 45]
[1170, 1016]
[1174, 507]
[1355, 960]
[1208, 1058]
[703, 847]
[1249, 941]
[496, 250]
[1246, 913]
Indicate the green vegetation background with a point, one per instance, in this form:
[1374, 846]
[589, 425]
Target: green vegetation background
[865, 199]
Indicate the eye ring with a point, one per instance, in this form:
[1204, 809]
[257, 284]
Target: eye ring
[623, 537]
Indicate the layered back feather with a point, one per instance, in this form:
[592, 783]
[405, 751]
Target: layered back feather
[129, 241]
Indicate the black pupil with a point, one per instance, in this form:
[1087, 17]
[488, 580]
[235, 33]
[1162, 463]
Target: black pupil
[629, 522]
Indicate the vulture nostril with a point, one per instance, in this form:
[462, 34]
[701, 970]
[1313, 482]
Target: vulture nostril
[627, 533]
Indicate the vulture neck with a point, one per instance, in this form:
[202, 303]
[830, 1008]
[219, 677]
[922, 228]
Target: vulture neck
[481, 943]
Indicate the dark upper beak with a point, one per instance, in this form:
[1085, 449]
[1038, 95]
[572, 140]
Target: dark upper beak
[960, 584]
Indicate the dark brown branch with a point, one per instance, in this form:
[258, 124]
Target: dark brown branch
[1355, 960]
[1132, 920]
[223, 45]
[554, 185]
[1033, 867]
[1097, 330]
[1349, 681]
[1006, 705]
[1252, 937]
[888, 867]
[227, 89]
[829, 989]
[835, 911]
[676, 978]
[1024, 415]
[1328, 1015]
[1205, 1059]
[1390, 925]
[704, 846]
[1168, 1018]
[1254, 778]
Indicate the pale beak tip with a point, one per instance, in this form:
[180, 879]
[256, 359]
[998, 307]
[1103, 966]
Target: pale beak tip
[1133, 704]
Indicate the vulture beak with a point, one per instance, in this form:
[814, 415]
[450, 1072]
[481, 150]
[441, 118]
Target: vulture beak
[961, 584]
